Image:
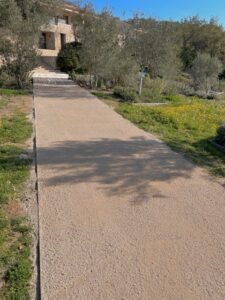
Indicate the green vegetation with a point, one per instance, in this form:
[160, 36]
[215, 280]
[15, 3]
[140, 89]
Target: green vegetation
[175, 63]
[18, 47]
[126, 94]
[186, 127]
[205, 72]
[102, 95]
[18, 258]
[11, 92]
[14, 129]
[220, 138]
[122, 94]
[101, 53]
[174, 58]
[68, 59]
[15, 237]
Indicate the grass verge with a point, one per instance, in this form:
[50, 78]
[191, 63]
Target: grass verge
[185, 127]
[15, 232]
[108, 98]
[10, 92]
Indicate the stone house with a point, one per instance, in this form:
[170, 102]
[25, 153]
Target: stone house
[58, 32]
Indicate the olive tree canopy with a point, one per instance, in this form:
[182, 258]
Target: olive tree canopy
[20, 25]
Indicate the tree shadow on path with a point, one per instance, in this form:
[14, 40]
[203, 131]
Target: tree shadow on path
[65, 92]
[118, 166]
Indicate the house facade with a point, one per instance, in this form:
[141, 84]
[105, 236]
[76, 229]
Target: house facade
[58, 32]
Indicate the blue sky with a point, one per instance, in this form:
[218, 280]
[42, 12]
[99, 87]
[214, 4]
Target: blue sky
[167, 9]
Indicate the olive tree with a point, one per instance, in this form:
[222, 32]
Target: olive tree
[201, 36]
[153, 45]
[102, 52]
[20, 25]
[205, 72]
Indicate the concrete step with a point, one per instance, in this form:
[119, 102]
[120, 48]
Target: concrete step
[51, 75]
[52, 81]
[45, 75]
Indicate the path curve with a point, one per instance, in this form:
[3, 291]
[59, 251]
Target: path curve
[121, 215]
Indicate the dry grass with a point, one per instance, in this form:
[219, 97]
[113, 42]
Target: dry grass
[10, 104]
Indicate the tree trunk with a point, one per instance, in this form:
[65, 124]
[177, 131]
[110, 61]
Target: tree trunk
[19, 82]
[90, 80]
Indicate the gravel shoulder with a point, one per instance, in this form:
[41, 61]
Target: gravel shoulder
[121, 215]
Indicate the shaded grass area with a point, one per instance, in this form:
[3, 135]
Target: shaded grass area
[10, 92]
[103, 95]
[185, 127]
[15, 237]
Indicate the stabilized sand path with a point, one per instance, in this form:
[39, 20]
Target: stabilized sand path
[121, 215]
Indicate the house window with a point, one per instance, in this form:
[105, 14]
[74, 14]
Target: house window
[63, 20]
[53, 21]
[43, 41]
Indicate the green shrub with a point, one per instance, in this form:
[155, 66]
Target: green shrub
[153, 88]
[19, 224]
[81, 79]
[68, 59]
[184, 78]
[146, 96]
[205, 71]
[220, 139]
[222, 75]
[126, 94]
[146, 82]
[16, 280]
[170, 88]
[174, 98]
[5, 79]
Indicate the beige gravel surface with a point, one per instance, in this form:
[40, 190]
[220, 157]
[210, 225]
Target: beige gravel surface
[121, 215]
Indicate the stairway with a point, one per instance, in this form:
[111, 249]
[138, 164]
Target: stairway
[47, 75]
